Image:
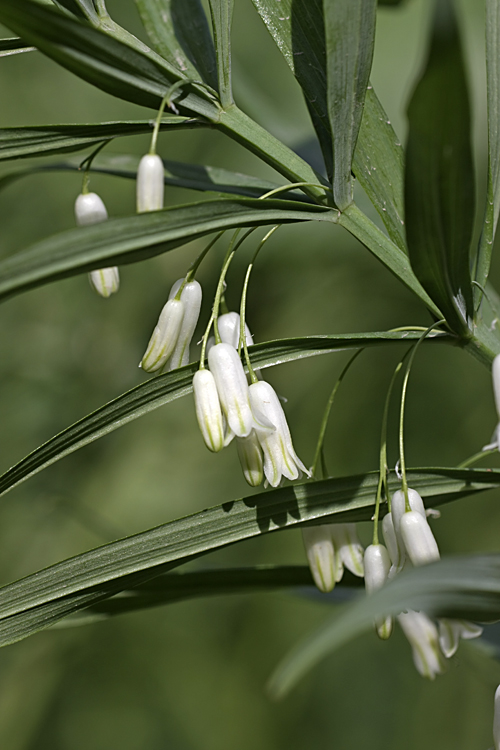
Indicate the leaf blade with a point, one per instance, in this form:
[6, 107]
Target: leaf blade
[222, 16]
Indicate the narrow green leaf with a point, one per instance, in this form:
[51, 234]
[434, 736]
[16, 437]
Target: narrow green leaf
[178, 174]
[222, 17]
[166, 388]
[350, 38]
[14, 46]
[298, 29]
[141, 236]
[79, 8]
[134, 73]
[439, 185]
[41, 599]
[45, 140]
[493, 191]
[463, 587]
[359, 225]
[179, 32]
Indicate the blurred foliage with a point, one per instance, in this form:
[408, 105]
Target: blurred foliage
[191, 676]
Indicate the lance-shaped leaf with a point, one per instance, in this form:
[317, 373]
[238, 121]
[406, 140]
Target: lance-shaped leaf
[13, 47]
[129, 71]
[41, 599]
[179, 31]
[439, 184]
[298, 29]
[493, 190]
[134, 238]
[46, 140]
[178, 174]
[350, 37]
[461, 587]
[79, 8]
[166, 388]
[222, 16]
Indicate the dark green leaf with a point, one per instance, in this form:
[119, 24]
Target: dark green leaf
[222, 16]
[13, 47]
[463, 587]
[44, 140]
[350, 37]
[79, 8]
[43, 598]
[179, 31]
[298, 30]
[439, 185]
[161, 390]
[178, 174]
[493, 191]
[137, 237]
[129, 70]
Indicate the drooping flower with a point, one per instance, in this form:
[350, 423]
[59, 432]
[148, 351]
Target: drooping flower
[250, 455]
[348, 547]
[229, 329]
[496, 719]
[424, 640]
[208, 410]
[234, 394]
[396, 551]
[280, 459]
[377, 564]
[191, 297]
[321, 556]
[165, 336]
[150, 183]
[90, 209]
[418, 539]
[450, 632]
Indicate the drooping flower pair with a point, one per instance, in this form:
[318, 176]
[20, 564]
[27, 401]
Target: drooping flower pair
[328, 548]
[168, 347]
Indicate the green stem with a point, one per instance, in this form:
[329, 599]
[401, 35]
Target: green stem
[326, 416]
[476, 457]
[233, 247]
[196, 263]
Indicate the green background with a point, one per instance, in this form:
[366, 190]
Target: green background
[192, 675]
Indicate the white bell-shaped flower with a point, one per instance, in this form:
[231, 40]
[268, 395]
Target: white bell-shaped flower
[450, 632]
[418, 538]
[90, 209]
[377, 564]
[496, 719]
[150, 183]
[321, 556]
[396, 551]
[424, 640]
[280, 458]
[398, 508]
[250, 455]
[208, 410]
[234, 395]
[191, 297]
[349, 548]
[229, 329]
[165, 336]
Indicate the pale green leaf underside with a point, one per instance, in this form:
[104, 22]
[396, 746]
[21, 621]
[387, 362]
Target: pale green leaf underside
[462, 587]
[163, 389]
[137, 237]
[41, 599]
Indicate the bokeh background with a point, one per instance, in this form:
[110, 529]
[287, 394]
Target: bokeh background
[191, 676]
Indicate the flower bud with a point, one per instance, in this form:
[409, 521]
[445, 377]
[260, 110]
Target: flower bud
[208, 411]
[377, 564]
[496, 719]
[280, 458]
[348, 546]
[321, 556]
[165, 336]
[191, 299]
[150, 183]
[250, 455]
[229, 329]
[423, 637]
[232, 387]
[89, 209]
[450, 632]
[418, 539]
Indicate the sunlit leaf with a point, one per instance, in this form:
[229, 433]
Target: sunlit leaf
[41, 599]
[462, 587]
[222, 15]
[439, 188]
[161, 390]
[350, 37]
